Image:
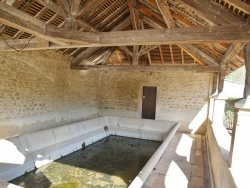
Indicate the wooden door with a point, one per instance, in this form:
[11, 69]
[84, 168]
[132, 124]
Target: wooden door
[149, 102]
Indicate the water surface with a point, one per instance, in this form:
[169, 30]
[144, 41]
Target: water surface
[112, 162]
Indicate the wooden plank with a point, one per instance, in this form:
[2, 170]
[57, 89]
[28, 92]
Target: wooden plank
[41, 12]
[196, 68]
[240, 5]
[149, 58]
[118, 56]
[216, 34]
[21, 21]
[212, 12]
[108, 54]
[75, 6]
[171, 53]
[126, 50]
[199, 55]
[64, 6]
[232, 51]
[133, 15]
[182, 56]
[135, 55]
[87, 7]
[80, 57]
[223, 34]
[247, 65]
[52, 6]
[165, 12]
[146, 50]
[161, 54]
[72, 36]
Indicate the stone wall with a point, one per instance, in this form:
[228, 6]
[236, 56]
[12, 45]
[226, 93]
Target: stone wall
[38, 90]
[181, 96]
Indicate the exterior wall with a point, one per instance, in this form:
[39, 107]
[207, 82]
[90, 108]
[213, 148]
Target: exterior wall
[38, 90]
[233, 89]
[220, 172]
[181, 96]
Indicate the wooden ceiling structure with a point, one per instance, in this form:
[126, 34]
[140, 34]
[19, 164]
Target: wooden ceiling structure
[147, 35]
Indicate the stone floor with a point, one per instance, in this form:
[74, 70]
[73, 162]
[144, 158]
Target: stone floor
[183, 164]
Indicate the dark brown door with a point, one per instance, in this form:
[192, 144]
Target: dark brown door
[149, 102]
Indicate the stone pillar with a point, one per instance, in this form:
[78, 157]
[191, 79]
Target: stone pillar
[240, 145]
[218, 109]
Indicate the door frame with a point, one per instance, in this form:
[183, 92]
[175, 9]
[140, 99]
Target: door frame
[140, 98]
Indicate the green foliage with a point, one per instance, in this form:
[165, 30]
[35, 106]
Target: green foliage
[238, 75]
[83, 146]
[229, 114]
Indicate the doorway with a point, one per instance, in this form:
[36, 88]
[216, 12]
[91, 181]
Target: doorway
[149, 102]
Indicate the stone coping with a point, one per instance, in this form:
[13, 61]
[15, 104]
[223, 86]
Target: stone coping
[42, 147]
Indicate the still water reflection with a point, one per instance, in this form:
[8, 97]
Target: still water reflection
[112, 162]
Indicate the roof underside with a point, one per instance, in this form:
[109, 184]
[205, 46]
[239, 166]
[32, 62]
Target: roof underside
[102, 18]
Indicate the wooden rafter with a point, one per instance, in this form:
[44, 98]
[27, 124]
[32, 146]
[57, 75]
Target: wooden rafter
[64, 4]
[75, 6]
[19, 20]
[165, 12]
[232, 51]
[199, 55]
[161, 54]
[146, 50]
[126, 50]
[87, 7]
[134, 17]
[212, 12]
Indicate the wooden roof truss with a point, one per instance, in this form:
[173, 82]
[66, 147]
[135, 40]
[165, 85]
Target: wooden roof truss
[200, 35]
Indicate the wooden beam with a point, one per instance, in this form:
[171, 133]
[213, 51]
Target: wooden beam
[87, 7]
[135, 55]
[108, 54]
[133, 15]
[199, 55]
[196, 68]
[21, 21]
[64, 6]
[247, 65]
[146, 50]
[126, 50]
[182, 57]
[171, 53]
[212, 12]
[52, 6]
[223, 34]
[75, 6]
[80, 57]
[149, 58]
[72, 36]
[165, 12]
[161, 54]
[233, 50]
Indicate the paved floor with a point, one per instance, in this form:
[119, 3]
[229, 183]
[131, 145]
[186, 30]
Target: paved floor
[183, 164]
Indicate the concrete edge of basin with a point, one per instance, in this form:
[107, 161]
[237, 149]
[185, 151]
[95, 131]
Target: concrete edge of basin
[146, 170]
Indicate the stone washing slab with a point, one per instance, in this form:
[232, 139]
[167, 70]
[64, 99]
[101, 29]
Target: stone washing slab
[42, 147]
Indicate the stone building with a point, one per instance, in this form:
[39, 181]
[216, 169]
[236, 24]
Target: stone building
[63, 62]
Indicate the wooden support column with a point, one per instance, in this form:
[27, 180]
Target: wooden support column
[247, 66]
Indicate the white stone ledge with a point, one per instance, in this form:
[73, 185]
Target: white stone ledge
[42, 147]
